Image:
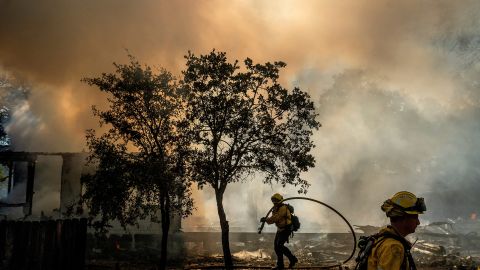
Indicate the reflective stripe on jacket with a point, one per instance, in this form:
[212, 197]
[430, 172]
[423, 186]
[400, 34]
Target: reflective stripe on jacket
[388, 253]
[281, 216]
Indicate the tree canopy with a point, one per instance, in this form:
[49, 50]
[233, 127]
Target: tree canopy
[142, 156]
[141, 159]
[246, 122]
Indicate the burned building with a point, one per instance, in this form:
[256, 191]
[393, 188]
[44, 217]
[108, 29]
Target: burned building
[20, 168]
[20, 177]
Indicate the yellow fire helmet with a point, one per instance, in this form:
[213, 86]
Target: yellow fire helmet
[276, 198]
[403, 203]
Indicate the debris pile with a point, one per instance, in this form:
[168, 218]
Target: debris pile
[448, 244]
[441, 245]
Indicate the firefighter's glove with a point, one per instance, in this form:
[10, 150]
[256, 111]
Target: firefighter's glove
[263, 219]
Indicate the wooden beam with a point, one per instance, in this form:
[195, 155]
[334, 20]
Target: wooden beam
[27, 210]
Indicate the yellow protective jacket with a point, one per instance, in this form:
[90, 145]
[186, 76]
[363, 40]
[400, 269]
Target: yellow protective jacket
[281, 216]
[388, 253]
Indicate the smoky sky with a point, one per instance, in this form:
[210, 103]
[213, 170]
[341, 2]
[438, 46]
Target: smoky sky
[395, 82]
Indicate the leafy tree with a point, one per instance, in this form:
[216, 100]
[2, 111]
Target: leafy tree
[12, 93]
[141, 160]
[4, 117]
[244, 122]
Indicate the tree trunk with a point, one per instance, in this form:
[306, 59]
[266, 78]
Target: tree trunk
[165, 213]
[227, 256]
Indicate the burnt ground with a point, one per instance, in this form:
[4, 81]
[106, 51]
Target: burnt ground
[202, 250]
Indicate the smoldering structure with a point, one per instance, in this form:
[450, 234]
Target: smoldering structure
[21, 166]
[51, 242]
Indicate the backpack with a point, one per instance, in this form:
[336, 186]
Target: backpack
[295, 221]
[366, 244]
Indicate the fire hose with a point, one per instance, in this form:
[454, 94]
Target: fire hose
[329, 207]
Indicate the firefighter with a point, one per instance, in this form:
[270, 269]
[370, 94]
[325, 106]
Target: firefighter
[391, 251]
[282, 218]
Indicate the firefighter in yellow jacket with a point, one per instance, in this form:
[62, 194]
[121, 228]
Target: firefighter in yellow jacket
[391, 251]
[282, 218]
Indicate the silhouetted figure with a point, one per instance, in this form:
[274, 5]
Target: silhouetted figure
[282, 218]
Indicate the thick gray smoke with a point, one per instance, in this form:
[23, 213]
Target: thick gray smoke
[396, 85]
[376, 142]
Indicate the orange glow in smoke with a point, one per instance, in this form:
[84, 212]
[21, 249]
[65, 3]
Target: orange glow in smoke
[68, 108]
[473, 216]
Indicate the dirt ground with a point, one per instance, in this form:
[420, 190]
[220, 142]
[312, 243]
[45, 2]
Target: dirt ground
[216, 263]
[138, 266]
[251, 251]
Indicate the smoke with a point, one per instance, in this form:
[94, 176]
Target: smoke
[376, 142]
[46, 199]
[396, 84]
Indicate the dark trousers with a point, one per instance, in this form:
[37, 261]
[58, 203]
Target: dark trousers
[280, 239]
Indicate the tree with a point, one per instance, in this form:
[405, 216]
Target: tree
[141, 160]
[12, 93]
[245, 122]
